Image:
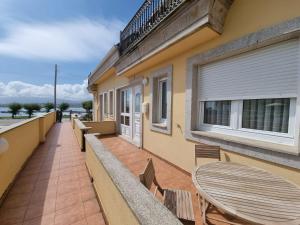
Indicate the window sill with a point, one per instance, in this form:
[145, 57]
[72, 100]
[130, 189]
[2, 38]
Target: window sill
[161, 128]
[160, 125]
[289, 149]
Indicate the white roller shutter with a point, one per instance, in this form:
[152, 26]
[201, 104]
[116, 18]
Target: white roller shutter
[266, 72]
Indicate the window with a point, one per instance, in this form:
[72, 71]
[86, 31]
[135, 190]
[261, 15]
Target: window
[111, 103]
[101, 107]
[257, 118]
[161, 99]
[105, 105]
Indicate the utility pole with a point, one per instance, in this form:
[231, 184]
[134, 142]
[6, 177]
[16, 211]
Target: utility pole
[55, 80]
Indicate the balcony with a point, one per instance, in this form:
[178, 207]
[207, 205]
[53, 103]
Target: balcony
[164, 29]
[147, 18]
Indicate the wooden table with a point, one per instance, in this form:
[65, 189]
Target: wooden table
[249, 193]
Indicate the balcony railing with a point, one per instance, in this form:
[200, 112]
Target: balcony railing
[149, 16]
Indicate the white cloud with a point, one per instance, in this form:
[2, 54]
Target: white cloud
[74, 92]
[77, 40]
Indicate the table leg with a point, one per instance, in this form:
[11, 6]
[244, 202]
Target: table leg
[205, 206]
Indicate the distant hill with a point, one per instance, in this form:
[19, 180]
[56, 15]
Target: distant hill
[6, 100]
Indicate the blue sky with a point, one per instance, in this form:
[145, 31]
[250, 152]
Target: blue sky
[75, 34]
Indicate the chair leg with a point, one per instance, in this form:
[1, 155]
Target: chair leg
[223, 221]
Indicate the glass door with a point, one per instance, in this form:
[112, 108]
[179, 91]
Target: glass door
[125, 108]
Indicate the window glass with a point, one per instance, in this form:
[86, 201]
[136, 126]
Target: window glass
[122, 101]
[163, 100]
[137, 102]
[127, 120]
[217, 112]
[111, 102]
[122, 120]
[127, 100]
[266, 114]
[105, 104]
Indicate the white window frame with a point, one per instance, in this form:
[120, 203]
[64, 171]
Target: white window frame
[157, 123]
[110, 111]
[235, 127]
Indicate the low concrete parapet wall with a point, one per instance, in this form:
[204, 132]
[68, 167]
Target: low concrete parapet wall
[87, 127]
[123, 198]
[80, 130]
[103, 128]
[22, 139]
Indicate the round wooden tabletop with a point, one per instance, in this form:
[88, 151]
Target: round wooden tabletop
[249, 193]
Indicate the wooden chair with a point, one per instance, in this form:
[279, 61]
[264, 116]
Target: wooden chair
[212, 152]
[207, 151]
[179, 202]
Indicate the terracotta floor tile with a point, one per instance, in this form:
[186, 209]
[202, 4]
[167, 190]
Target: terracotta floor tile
[96, 219]
[68, 187]
[67, 200]
[12, 215]
[22, 188]
[42, 220]
[40, 209]
[91, 207]
[87, 193]
[17, 200]
[84, 181]
[48, 175]
[42, 196]
[69, 215]
[25, 180]
[81, 222]
[53, 181]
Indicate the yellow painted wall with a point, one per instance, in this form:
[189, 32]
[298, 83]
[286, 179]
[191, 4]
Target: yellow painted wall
[243, 18]
[104, 127]
[23, 138]
[114, 206]
[50, 119]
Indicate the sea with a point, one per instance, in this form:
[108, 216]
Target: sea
[4, 111]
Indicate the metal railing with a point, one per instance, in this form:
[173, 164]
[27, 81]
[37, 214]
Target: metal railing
[149, 16]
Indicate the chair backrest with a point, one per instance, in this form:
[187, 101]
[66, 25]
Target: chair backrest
[207, 151]
[148, 175]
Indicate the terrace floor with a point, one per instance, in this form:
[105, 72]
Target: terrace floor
[54, 186]
[168, 176]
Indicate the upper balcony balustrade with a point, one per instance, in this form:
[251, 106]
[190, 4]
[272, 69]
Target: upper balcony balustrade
[147, 18]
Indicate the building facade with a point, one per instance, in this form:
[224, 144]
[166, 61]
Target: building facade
[218, 72]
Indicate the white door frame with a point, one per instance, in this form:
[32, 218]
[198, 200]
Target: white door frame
[118, 113]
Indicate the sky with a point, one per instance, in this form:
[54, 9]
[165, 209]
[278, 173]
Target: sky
[75, 34]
